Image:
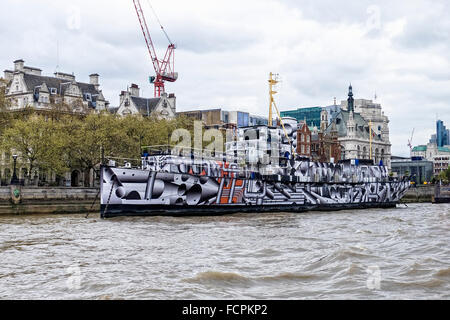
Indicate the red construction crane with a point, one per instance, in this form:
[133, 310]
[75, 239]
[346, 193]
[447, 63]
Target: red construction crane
[164, 68]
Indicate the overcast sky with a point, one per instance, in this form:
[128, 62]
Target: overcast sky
[399, 50]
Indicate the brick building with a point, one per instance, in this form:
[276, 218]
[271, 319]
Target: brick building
[303, 140]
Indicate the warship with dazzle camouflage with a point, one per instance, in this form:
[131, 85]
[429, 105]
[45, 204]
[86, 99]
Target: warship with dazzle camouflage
[259, 171]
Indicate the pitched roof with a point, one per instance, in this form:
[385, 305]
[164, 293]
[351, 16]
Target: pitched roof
[341, 120]
[145, 105]
[32, 81]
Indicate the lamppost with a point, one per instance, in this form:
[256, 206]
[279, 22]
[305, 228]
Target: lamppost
[14, 179]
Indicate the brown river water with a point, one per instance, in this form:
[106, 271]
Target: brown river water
[398, 253]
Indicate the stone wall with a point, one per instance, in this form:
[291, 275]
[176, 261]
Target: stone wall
[48, 200]
[51, 193]
[419, 194]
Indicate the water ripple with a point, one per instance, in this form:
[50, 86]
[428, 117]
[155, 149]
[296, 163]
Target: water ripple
[398, 253]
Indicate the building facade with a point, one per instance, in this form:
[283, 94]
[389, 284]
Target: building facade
[303, 140]
[420, 171]
[442, 134]
[209, 117]
[131, 103]
[362, 130]
[27, 87]
[441, 163]
[310, 115]
[439, 156]
[224, 118]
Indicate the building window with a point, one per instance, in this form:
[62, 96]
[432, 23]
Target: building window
[53, 91]
[88, 97]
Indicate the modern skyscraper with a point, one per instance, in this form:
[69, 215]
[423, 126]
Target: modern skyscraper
[442, 134]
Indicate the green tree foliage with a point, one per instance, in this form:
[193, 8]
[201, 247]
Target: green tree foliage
[61, 141]
[5, 116]
[444, 176]
[36, 141]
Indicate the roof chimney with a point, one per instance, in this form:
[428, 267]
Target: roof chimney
[64, 76]
[134, 90]
[93, 79]
[18, 65]
[8, 75]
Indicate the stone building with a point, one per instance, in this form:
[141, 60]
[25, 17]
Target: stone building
[439, 156]
[437, 150]
[441, 163]
[131, 103]
[27, 87]
[354, 130]
[223, 118]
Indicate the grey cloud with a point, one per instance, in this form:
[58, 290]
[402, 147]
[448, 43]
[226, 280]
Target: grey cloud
[224, 58]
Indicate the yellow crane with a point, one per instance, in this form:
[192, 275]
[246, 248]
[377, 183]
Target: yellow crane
[272, 82]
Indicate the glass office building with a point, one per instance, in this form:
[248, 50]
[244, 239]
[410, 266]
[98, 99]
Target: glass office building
[311, 115]
[442, 134]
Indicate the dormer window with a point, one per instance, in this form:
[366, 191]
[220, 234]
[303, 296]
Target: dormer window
[88, 97]
[53, 91]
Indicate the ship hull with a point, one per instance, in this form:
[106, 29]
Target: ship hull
[127, 210]
[176, 187]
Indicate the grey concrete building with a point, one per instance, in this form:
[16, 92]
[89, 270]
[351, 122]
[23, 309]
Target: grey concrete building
[420, 170]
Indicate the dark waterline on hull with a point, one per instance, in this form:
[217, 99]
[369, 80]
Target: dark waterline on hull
[220, 210]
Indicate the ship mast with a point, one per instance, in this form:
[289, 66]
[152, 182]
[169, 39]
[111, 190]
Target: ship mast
[370, 139]
[273, 82]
